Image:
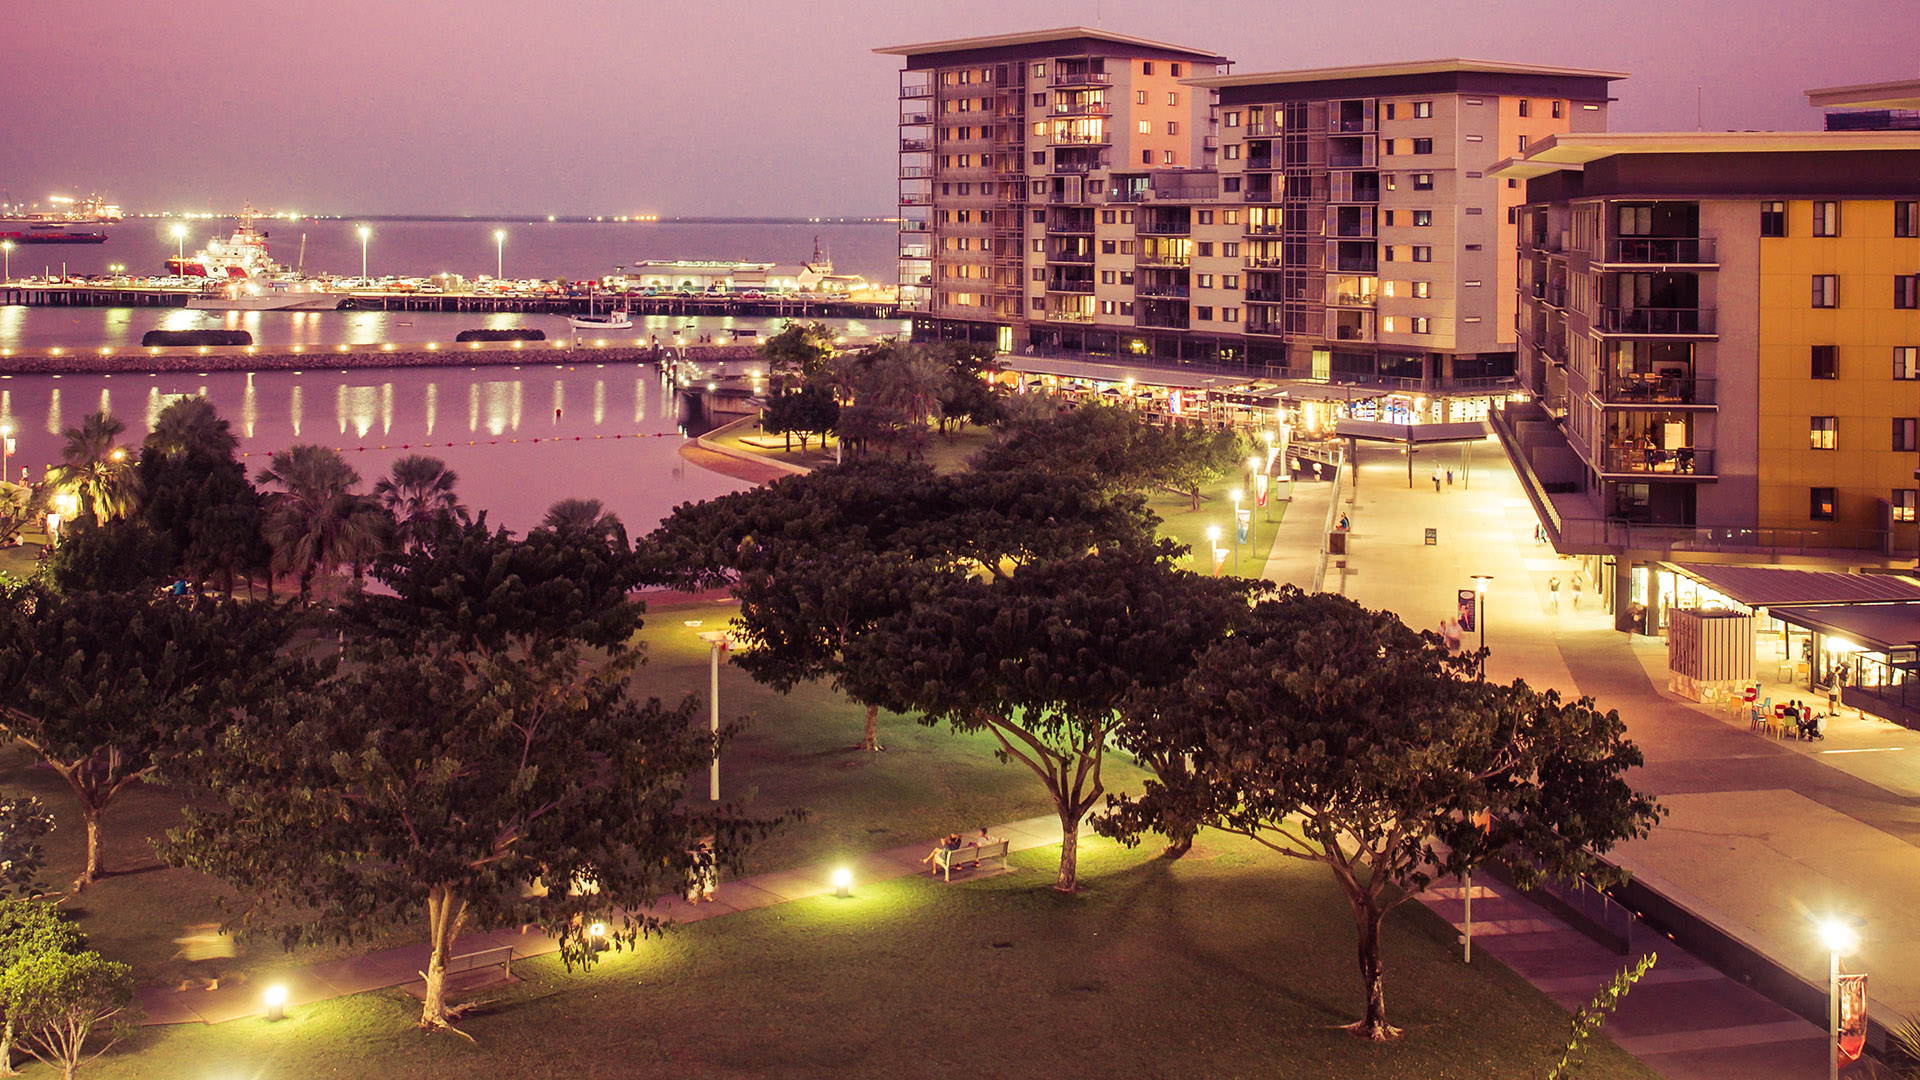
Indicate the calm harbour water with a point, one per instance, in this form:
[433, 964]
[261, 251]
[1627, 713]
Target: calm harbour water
[522, 436]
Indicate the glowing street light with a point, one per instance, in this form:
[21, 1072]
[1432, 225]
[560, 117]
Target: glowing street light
[720, 641]
[843, 883]
[1481, 582]
[6, 251]
[1840, 940]
[499, 253]
[180, 248]
[276, 1001]
[364, 234]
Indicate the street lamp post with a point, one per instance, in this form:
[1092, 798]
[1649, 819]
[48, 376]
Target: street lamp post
[1840, 941]
[1480, 584]
[364, 234]
[720, 641]
[6, 450]
[1235, 496]
[6, 249]
[180, 250]
[499, 253]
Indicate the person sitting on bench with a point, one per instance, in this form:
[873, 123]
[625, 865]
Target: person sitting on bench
[980, 840]
[951, 843]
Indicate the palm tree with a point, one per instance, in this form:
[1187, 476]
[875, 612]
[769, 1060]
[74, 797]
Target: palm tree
[418, 493]
[191, 427]
[316, 521]
[97, 469]
[584, 517]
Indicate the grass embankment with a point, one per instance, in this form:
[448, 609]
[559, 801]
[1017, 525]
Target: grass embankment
[1229, 963]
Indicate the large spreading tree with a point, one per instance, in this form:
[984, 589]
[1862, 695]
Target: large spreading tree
[1335, 734]
[102, 688]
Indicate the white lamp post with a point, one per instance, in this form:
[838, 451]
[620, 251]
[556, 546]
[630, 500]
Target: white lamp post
[6, 450]
[180, 250]
[364, 234]
[1235, 496]
[6, 250]
[720, 641]
[1480, 584]
[1840, 940]
[499, 253]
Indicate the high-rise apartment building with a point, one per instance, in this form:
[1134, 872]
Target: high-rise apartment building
[1722, 334]
[1080, 191]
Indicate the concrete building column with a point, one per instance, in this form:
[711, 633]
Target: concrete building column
[1623, 591]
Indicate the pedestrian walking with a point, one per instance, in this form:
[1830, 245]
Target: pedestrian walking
[1449, 478]
[1436, 479]
[1576, 591]
[1553, 594]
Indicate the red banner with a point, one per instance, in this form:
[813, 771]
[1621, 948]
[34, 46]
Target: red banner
[1853, 1018]
[1260, 488]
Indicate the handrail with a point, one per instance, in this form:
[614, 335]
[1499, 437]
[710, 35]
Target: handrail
[1326, 532]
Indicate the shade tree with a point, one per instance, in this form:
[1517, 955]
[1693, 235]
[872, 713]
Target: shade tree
[1334, 734]
[60, 1002]
[29, 929]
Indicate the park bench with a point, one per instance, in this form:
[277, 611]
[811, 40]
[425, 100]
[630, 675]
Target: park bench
[945, 859]
[466, 963]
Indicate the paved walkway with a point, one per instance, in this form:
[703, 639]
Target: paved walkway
[402, 966]
[1764, 837]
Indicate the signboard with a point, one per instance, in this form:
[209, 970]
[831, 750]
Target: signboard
[1433, 537]
[1465, 603]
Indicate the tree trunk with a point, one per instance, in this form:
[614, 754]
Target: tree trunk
[444, 912]
[871, 739]
[92, 871]
[1179, 845]
[1367, 916]
[1069, 880]
[6, 1049]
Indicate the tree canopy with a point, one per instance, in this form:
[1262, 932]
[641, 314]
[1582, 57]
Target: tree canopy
[1335, 734]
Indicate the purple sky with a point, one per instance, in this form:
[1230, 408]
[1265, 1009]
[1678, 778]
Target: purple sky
[757, 107]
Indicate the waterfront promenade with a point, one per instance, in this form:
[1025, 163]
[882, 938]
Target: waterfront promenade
[1763, 839]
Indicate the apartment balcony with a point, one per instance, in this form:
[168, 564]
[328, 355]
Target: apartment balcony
[1266, 327]
[916, 146]
[915, 172]
[1167, 292]
[1661, 251]
[1078, 225]
[1350, 161]
[916, 199]
[1165, 321]
[1352, 264]
[1080, 78]
[1258, 195]
[1348, 231]
[1554, 296]
[1657, 322]
[1260, 163]
[1078, 166]
[1255, 262]
[1069, 316]
[1264, 130]
[915, 89]
[914, 227]
[1165, 259]
[1078, 288]
[1351, 299]
[1079, 138]
[1261, 230]
[1651, 388]
[915, 119]
[1082, 108]
[1166, 228]
[1685, 462]
[1076, 257]
[1265, 296]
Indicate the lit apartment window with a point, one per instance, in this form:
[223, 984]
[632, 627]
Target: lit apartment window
[1231, 281]
[1559, 108]
[1419, 323]
[1422, 181]
[1821, 432]
[1126, 217]
[1906, 291]
[1526, 107]
[1422, 110]
[1904, 434]
[1823, 362]
[1422, 253]
[1421, 289]
[1204, 217]
[1146, 127]
[1173, 97]
[1232, 314]
[1230, 217]
[1039, 71]
[1203, 281]
[1423, 217]
[1166, 157]
[1826, 219]
[1423, 146]
[1039, 246]
[1470, 138]
[1523, 144]
[1906, 362]
[1773, 219]
[1038, 274]
[1126, 247]
[1387, 324]
[1233, 154]
[1821, 502]
[1906, 218]
[1826, 290]
[1232, 118]
[1902, 501]
[1106, 307]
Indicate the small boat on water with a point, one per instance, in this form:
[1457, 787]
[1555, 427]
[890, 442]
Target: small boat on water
[613, 320]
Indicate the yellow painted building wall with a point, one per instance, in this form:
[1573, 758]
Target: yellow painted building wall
[1865, 397]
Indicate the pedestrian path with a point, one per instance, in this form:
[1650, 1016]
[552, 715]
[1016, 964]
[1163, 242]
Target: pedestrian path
[403, 966]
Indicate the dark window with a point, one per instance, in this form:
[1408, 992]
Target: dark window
[1389, 110]
[1821, 504]
[1146, 67]
[1826, 290]
[1906, 218]
[1903, 433]
[1906, 291]
[1558, 108]
[1773, 219]
[1823, 365]
[1423, 146]
[1231, 183]
[1526, 107]
[1176, 70]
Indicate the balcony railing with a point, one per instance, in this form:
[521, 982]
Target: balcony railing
[1266, 296]
[916, 199]
[1167, 321]
[1263, 130]
[1082, 287]
[1082, 108]
[1255, 262]
[1662, 251]
[915, 119]
[1637, 388]
[1073, 227]
[1166, 228]
[1170, 292]
[913, 226]
[916, 89]
[915, 146]
[1070, 257]
[1349, 299]
[1350, 126]
[915, 172]
[1348, 264]
[1682, 461]
[1164, 259]
[1078, 138]
[1080, 78]
[1260, 195]
[1658, 322]
[1069, 316]
[1260, 163]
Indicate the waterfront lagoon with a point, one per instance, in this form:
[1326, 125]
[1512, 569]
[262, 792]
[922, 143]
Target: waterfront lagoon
[521, 436]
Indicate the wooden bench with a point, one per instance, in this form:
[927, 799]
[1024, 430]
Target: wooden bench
[945, 859]
[466, 963]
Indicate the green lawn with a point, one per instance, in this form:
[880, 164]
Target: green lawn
[1229, 963]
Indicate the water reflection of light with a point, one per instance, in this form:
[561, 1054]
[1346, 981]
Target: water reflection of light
[293, 410]
[249, 411]
[599, 402]
[433, 405]
[473, 407]
[358, 404]
[106, 401]
[559, 398]
[639, 400]
[386, 408]
[53, 412]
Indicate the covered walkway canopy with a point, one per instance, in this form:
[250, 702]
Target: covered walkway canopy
[1773, 586]
[1881, 628]
[1412, 434]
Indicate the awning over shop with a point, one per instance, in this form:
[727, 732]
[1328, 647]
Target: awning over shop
[1773, 586]
[1416, 434]
[1880, 628]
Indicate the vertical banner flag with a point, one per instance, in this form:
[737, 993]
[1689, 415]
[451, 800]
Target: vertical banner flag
[1260, 488]
[1219, 560]
[1466, 597]
[1242, 521]
[1853, 1018]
